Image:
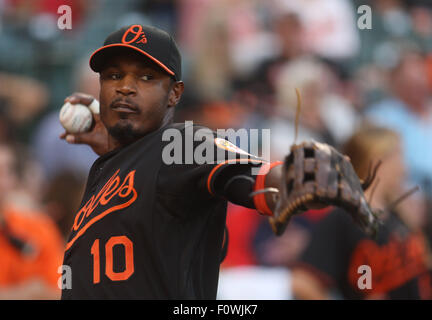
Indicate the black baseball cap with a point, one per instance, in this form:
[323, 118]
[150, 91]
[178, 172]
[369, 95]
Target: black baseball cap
[153, 43]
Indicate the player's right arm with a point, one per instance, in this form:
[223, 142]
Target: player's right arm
[97, 137]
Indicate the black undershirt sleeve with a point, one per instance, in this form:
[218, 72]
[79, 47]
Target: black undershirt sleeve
[236, 183]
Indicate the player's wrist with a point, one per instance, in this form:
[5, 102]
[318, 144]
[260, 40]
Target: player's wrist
[265, 188]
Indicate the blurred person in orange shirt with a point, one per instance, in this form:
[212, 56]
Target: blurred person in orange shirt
[31, 247]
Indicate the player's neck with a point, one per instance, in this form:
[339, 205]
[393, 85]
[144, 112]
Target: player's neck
[114, 144]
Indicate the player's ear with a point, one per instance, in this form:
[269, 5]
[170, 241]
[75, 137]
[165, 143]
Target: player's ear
[175, 94]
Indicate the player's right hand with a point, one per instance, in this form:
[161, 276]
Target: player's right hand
[97, 137]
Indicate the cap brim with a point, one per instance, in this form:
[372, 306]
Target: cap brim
[97, 57]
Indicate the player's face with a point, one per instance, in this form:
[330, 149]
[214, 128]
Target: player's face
[135, 97]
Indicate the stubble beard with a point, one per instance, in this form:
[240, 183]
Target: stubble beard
[125, 134]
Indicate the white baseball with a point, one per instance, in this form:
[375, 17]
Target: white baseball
[75, 118]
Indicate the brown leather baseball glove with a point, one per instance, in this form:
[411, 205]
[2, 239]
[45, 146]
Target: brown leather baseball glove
[316, 173]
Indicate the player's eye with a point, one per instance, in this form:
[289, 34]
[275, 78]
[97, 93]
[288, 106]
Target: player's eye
[111, 76]
[146, 77]
[114, 76]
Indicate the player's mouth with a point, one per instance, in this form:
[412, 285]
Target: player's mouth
[124, 107]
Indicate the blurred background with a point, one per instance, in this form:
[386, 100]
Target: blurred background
[365, 91]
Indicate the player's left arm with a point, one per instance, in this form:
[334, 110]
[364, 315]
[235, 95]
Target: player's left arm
[312, 175]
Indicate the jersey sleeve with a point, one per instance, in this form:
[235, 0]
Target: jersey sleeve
[197, 162]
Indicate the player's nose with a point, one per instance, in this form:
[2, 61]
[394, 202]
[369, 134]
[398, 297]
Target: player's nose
[127, 86]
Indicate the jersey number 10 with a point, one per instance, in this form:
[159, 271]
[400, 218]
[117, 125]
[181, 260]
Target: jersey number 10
[109, 271]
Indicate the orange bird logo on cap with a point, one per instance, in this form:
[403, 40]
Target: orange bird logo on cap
[138, 35]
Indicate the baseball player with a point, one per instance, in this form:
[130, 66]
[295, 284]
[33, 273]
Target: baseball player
[148, 229]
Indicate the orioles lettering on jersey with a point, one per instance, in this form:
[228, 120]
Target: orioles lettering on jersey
[113, 188]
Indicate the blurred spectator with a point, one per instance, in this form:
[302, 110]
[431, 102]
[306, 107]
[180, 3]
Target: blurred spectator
[30, 245]
[421, 17]
[261, 82]
[6, 131]
[423, 3]
[399, 258]
[220, 115]
[409, 112]
[285, 250]
[325, 115]
[212, 68]
[163, 13]
[394, 26]
[371, 85]
[62, 199]
[23, 11]
[27, 195]
[23, 99]
[390, 25]
[226, 41]
[330, 26]
[22, 107]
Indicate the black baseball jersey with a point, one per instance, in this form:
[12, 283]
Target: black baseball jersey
[151, 230]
